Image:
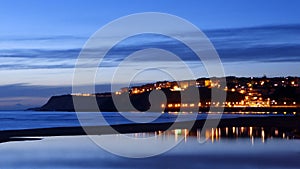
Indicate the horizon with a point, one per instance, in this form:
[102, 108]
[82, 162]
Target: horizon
[40, 43]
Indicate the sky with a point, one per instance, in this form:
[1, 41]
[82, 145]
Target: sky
[41, 40]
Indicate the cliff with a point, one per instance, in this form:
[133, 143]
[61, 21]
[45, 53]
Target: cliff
[139, 102]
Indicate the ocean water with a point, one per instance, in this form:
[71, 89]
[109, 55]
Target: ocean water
[14, 120]
[226, 148]
[79, 152]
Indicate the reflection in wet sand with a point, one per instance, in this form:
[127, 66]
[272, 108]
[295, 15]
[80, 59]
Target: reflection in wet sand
[216, 134]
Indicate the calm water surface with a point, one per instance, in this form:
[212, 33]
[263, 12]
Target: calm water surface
[225, 148]
[34, 119]
[242, 148]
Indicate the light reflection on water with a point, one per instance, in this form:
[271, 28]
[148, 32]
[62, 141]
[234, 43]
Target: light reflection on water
[217, 134]
[225, 148]
[16, 120]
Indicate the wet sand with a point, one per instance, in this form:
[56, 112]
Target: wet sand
[80, 152]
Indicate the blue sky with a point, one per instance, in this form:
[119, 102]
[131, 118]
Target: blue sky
[40, 40]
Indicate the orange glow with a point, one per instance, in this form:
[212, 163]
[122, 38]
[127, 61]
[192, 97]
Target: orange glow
[226, 130]
[212, 134]
[242, 129]
[263, 135]
[276, 132]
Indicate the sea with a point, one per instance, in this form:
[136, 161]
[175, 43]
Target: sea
[216, 148]
[15, 120]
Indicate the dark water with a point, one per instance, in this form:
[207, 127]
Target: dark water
[225, 148]
[32, 119]
[236, 149]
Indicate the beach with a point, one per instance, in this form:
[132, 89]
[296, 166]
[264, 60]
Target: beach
[287, 122]
[238, 141]
[80, 152]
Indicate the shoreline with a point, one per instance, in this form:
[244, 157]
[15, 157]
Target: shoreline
[287, 122]
[280, 110]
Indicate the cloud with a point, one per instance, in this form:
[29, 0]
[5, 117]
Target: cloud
[25, 90]
[43, 38]
[273, 43]
[24, 66]
[21, 90]
[262, 53]
[40, 53]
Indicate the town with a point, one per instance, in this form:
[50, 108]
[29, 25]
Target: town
[274, 92]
